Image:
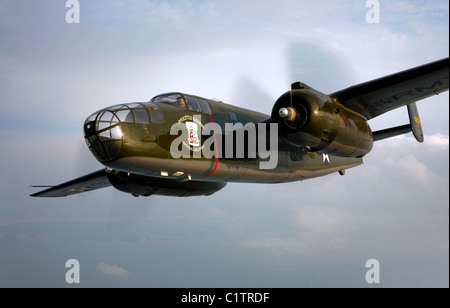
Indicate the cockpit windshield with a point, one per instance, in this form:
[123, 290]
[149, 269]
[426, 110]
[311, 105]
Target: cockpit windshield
[183, 101]
[173, 99]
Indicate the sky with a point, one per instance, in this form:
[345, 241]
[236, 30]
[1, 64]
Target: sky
[316, 233]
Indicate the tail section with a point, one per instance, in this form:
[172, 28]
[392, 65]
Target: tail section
[415, 127]
[414, 119]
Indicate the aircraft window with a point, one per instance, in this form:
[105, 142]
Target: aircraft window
[103, 117]
[113, 148]
[136, 105]
[157, 116]
[181, 103]
[123, 115]
[117, 107]
[130, 117]
[173, 99]
[108, 116]
[97, 145]
[205, 106]
[116, 133]
[103, 125]
[233, 116]
[170, 99]
[106, 134]
[192, 104]
[92, 117]
[141, 116]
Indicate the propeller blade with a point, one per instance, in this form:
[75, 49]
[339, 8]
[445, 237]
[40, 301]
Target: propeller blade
[320, 67]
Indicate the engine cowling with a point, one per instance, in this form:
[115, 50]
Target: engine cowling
[312, 120]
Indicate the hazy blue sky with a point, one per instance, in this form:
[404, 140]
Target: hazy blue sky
[317, 233]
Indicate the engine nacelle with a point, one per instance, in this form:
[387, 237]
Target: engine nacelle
[312, 120]
[140, 185]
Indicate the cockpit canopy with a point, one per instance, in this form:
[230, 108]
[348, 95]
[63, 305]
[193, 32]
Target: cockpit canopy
[104, 129]
[185, 102]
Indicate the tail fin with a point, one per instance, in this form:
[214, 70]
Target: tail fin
[415, 127]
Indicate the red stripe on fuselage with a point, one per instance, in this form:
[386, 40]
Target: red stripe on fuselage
[217, 150]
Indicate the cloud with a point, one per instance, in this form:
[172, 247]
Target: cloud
[112, 270]
[214, 212]
[394, 207]
[438, 142]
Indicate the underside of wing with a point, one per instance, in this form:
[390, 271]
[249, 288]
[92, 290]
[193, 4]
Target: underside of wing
[376, 97]
[85, 183]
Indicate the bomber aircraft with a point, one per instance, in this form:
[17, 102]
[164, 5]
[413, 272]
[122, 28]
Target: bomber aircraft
[185, 145]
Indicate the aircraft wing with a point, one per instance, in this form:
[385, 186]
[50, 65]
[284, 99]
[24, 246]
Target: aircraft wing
[376, 97]
[93, 181]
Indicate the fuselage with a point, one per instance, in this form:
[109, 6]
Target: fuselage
[185, 145]
[186, 137]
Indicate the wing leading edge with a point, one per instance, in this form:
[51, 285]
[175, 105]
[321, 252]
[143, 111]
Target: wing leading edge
[92, 181]
[378, 96]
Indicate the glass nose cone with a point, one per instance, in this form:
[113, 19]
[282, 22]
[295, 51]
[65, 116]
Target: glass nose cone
[103, 135]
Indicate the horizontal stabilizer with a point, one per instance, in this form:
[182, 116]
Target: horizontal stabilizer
[391, 132]
[414, 126]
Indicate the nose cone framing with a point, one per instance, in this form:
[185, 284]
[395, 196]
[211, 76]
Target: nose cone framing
[103, 134]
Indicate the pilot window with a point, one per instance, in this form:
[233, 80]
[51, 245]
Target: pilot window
[192, 104]
[205, 106]
[173, 99]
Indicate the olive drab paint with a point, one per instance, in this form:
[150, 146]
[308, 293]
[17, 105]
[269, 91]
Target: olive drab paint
[184, 145]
